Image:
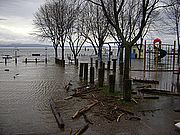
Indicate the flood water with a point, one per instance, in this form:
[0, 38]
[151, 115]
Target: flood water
[25, 91]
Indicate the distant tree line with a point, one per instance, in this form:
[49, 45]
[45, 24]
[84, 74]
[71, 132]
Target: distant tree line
[77, 22]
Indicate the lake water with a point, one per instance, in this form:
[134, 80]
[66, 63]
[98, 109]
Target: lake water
[25, 89]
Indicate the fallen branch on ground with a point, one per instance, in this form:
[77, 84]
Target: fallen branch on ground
[119, 117]
[67, 98]
[56, 115]
[134, 118]
[81, 131]
[83, 110]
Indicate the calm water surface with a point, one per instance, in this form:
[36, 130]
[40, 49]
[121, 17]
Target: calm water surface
[25, 91]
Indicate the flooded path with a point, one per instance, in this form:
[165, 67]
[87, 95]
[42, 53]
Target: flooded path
[25, 91]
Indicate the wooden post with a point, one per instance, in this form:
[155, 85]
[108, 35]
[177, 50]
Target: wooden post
[111, 83]
[46, 60]
[91, 62]
[26, 60]
[96, 64]
[114, 65]
[92, 75]
[174, 56]
[5, 61]
[81, 70]
[63, 63]
[85, 71]
[127, 90]
[36, 60]
[108, 65]
[100, 77]
[145, 56]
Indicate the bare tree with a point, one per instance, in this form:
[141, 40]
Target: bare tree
[132, 10]
[173, 19]
[46, 28]
[53, 21]
[76, 39]
[96, 27]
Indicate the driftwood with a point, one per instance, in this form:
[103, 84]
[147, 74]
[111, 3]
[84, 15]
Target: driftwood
[56, 115]
[67, 98]
[83, 110]
[119, 117]
[81, 131]
[134, 100]
[134, 118]
[146, 81]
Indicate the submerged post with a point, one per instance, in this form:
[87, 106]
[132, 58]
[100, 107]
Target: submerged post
[127, 90]
[36, 60]
[111, 83]
[100, 77]
[92, 75]
[26, 60]
[5, 61]
[114, 65]
[108, 65]
[81, 70]
[85, 71]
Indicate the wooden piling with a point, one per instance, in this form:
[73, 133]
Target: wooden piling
[92, 75]
[100, 77]
[15, 60]
[108, 65]
[5, 61]
[96, 64]
[46, 60]
[127, 90]
[111, 83]
[114, 65]
[81, 70]
[85, 71]
[36, 60]
[26, 60]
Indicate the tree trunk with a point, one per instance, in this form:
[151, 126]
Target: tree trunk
[127, 82]
[56, 53]
[140, 48]
[75, 59]
[177, 30]
[100, 54]
[121, 61]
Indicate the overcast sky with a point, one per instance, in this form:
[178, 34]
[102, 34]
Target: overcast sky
[16, 18]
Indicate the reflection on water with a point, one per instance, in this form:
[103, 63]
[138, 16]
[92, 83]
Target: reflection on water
[26, 89]
[24, 97]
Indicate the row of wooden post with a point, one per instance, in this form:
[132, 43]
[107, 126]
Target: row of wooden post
[83, 73]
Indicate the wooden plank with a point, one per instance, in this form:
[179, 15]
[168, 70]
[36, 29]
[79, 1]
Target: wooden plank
[56, 115]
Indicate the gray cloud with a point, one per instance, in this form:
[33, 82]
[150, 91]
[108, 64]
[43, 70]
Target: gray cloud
[14, 15]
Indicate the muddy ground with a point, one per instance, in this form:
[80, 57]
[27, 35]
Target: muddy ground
[112, 116]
